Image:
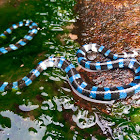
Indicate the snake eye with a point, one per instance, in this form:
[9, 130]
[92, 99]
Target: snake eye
[91, 55]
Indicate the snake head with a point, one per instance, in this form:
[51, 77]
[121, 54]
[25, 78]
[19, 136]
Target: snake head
[91, 50]
[91, 47]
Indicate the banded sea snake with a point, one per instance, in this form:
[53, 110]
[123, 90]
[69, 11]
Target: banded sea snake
[84, 90]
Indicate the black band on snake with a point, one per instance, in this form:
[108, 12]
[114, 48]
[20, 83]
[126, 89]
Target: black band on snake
[86, 91]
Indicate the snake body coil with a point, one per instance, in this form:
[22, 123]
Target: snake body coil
[83, 89]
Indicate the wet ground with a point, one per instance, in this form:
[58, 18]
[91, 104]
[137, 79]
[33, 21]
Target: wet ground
[48, 109]
[114, 24]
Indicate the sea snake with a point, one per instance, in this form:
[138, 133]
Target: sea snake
[86, 91]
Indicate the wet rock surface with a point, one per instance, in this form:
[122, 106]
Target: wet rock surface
[114, 24]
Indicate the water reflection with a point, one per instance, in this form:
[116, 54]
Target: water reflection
[28, 107]
[30, 130]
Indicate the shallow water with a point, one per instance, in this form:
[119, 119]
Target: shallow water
[48, 109]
